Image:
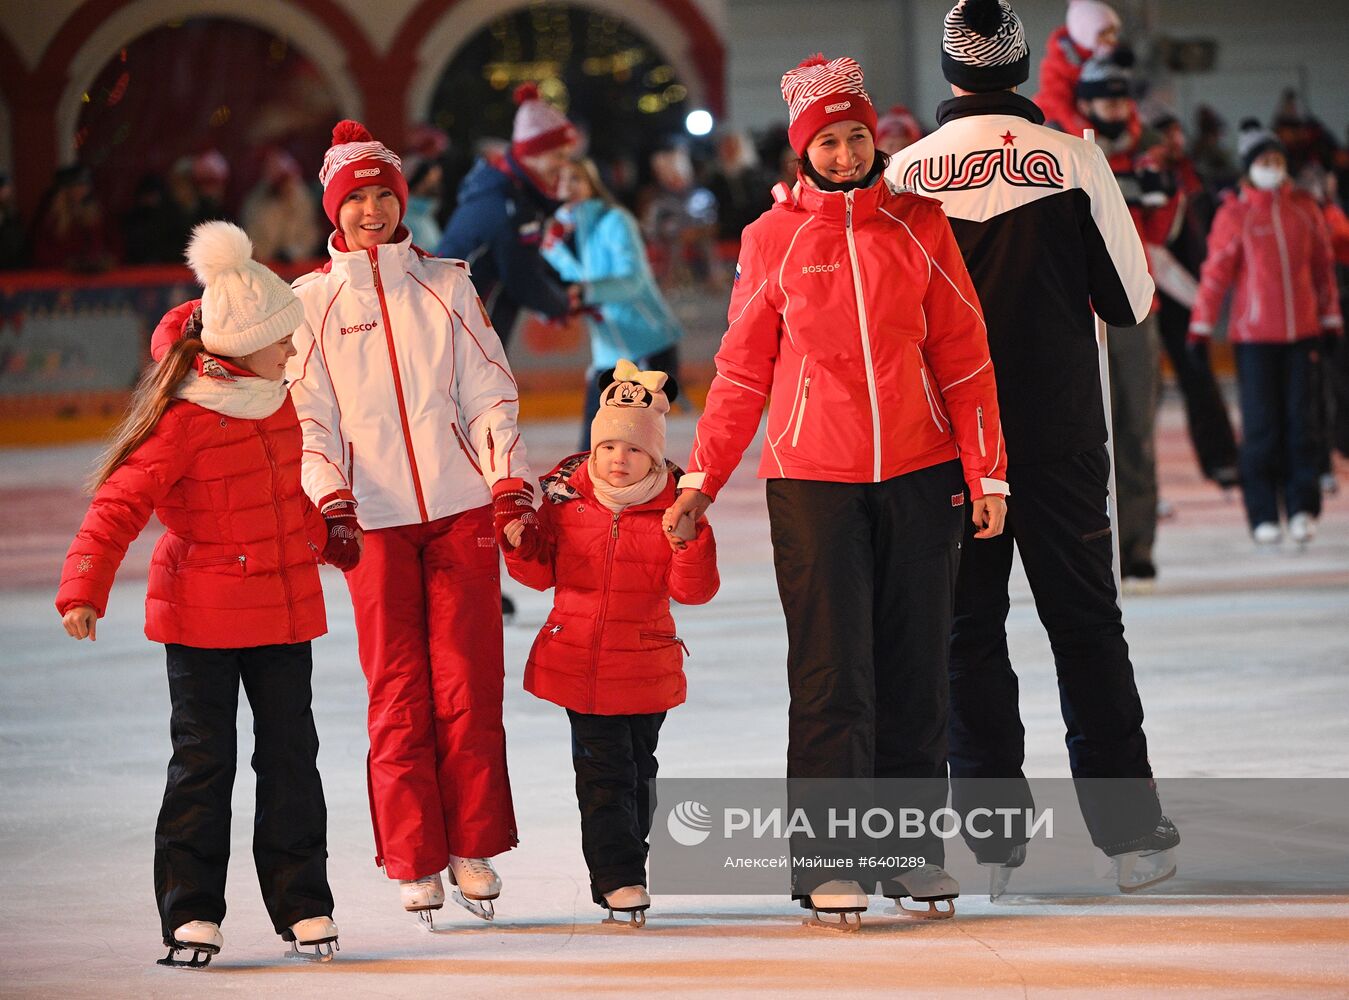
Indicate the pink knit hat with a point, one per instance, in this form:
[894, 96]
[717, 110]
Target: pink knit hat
[820, 92]
[1086, 19]
[539, 127]
[354, 160]
[632, 409]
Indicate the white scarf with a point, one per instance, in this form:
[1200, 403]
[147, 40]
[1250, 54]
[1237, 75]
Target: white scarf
[243, 397]
[616, 498]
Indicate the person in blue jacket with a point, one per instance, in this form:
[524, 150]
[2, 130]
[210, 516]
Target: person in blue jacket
[504, 203]
[596, 244]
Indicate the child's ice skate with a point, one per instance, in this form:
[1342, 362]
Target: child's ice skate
[842, 898]
[201, 937]
[319, 933]
[476, 885]
[422, 896]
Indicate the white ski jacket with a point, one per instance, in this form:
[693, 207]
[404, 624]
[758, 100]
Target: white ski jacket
[404, 393]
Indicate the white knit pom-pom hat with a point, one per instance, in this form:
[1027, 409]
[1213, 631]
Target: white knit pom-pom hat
[244, 306]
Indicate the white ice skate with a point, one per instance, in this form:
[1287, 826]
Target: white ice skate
[632, 900]
[1000, 872]
[928, 884]
[423, 895]
[1153, 862]
[843, 898]
[201, 937]
[319, 933]
[1267, 534]
[476, 885]
[1302, 528]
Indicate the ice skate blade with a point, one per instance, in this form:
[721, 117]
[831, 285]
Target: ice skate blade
[998, 877]
[848, 922]
[481, 908]
[323, 950]
[195, 962]
[1138, 873]
[933, 911]
[636, 918]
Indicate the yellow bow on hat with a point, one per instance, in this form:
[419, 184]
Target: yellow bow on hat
[626, 371]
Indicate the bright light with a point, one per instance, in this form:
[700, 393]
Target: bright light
[698, 122]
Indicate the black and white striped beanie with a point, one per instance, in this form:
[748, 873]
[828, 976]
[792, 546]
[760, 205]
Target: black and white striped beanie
[983, 46]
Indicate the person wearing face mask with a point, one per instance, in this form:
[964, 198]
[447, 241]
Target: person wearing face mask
[1270, 242]
[409, 415]
[1090, 29]
[853, 319]
[504, 205]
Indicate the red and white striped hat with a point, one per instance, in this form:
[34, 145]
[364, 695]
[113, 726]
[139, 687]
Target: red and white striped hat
[354, 160]
[539, 127]
[820, 92]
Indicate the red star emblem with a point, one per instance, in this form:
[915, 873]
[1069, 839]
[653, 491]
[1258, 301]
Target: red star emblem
[1008, 138]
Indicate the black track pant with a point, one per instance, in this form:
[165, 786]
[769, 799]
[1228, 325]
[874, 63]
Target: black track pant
[1056, 519]
[615, 761]
[1211, 435]
[192, 838]
[866, 573]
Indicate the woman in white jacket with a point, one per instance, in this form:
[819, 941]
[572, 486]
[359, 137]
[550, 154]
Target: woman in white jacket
[409, 414]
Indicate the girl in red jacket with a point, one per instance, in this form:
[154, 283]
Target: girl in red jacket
[211, 445]
[1270, 241]
[609, 653]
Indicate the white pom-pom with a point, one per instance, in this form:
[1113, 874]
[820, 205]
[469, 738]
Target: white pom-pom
[216, 247]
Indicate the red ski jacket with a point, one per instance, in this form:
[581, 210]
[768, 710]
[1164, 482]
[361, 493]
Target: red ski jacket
[853, 318]
[1060, 69]
[1275, 248]
[609, 646]
[238, 565]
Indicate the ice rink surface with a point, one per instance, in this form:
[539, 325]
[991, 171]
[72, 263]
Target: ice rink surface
[1242, 660]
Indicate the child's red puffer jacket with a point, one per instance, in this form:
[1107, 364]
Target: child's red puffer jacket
[609, 646]
[238, 566]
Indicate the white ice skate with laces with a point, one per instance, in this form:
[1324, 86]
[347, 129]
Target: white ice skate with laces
[476, 885]
[201, 937]
[319, 933]
[423, 895]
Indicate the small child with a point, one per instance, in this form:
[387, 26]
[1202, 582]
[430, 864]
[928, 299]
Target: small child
[211, 444]
[609, 653]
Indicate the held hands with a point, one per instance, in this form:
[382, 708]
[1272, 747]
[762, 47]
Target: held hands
[345, 537]
[81, 623]
[523, 536]
[680, 520]
[988, 514]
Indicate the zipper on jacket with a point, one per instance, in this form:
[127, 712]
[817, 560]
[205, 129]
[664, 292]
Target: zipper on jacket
[280, 539]
[866, 340]
[599, 619]
[373, 254]
[1285, 269]
[215, 561]
[979, 411]
[801, 413]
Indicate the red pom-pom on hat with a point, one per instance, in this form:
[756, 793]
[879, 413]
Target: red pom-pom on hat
[350, 131]
[526, 92]
[817, 59]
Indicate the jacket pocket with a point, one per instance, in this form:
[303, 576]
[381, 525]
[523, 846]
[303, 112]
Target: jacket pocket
[664, 639]
[239, 560]
[801, 408]
[935, 404]
[464, 448]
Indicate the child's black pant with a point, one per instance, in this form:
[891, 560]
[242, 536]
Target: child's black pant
[1279, 429]
[615, 761]
[192, 838]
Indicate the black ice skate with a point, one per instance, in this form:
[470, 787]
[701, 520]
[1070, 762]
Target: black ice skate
[1000, 872]
[201, 937]
[1146, 861]
[319, 933]
[928, 884]
[631, 900]
[842, 899]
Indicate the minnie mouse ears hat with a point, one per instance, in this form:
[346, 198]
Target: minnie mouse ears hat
[354, 160]
[632, 408]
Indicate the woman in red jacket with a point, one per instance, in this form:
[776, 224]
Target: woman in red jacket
[1270, 241]
[211, 445]
[854, 319]
[609, 653]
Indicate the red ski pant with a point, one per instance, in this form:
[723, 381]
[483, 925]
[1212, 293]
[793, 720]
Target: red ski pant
[428, 622]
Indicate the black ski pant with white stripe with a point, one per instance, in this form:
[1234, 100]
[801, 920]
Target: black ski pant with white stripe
[290, 819]
[866, 573]
[1057, 520]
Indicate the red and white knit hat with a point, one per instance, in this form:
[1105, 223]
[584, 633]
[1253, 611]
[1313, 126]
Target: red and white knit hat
[354, 160]
[539, 127]
[820, 92]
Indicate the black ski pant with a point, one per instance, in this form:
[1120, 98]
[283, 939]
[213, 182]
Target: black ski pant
[1056, 519]
[1280, 453]
[1210, 427]
[614, 757]
[866, 573]
[290, 821]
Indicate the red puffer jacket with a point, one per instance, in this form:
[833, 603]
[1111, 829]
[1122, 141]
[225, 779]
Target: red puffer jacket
[609, 646]
[853, 317]
[1060, 69]
[238, 564]
[1275, 247]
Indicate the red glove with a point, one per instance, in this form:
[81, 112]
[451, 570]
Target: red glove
[343, 548]
[513, 500]
[531, 541]
[554, 234]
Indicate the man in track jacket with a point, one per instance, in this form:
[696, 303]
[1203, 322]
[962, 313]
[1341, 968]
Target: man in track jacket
[1047, 238]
